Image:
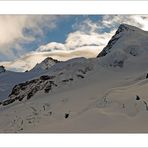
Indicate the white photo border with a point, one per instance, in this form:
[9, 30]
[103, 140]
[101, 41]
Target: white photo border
[73, 7]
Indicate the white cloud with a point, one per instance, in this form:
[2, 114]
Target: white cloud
[79, 39]
[51, 46]
[12, 30]
[12, 26]
[113, 21]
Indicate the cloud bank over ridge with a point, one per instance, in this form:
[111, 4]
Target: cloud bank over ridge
[87, 39]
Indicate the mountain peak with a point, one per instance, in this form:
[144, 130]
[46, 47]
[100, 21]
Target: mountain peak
[121, 31]
[126, 27]
[128, 43]
[48, 59]
[45, 64]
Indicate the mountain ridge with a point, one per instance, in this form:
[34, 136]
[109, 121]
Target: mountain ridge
[123, 28]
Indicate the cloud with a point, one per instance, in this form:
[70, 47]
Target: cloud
[79, 39]
[12, 26]
[113, 21]
[51, 46]
[28, 61]
[16, 29]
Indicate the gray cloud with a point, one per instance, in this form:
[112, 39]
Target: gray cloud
[12, 31]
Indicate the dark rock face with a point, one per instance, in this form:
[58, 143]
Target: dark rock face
[15, 90]
[85, 70]
[67, 80]
[46, 77]
[80, 76]
[137, 98]
[124, 27]
[20, 98]
[2, 69]
[116, 63]
[133, 52]
[6, 102]
[66, 115]
[51, 59]
[30, 94]
[29, 88]
[47, 89]
[110, 44]
[147, 76]
[49, 86]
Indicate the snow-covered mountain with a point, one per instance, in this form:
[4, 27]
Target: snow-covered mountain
[60, 75]
[9, 79]
[128, 43]
[103, 94]
[45, 64]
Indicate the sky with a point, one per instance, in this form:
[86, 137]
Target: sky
[26, 40]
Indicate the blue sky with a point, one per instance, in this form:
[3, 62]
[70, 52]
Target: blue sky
[59, 36]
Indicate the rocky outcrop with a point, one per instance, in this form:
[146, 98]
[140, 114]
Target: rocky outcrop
[46, 83]
[29, 88]
[2, 69]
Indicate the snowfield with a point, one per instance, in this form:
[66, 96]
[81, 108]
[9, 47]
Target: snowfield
[99, 95]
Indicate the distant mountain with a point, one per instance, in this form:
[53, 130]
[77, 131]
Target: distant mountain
[9, 79]
[45, 64]
[55, 77]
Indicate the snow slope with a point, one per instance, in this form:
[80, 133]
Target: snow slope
[86, 95]
[93, 104]
[8, 79]
[28, 61]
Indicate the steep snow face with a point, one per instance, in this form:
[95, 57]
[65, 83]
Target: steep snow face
[45, 64]
[2, 69]
[128, 42]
